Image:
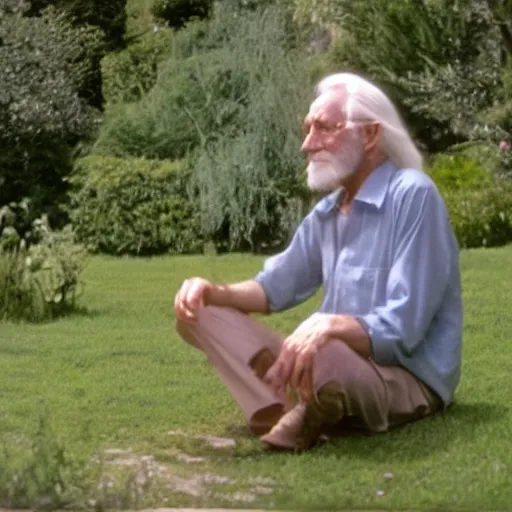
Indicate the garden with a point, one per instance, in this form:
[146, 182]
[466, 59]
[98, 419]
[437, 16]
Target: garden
[147, 141]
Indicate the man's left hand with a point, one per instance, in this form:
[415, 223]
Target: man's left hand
[294, 365]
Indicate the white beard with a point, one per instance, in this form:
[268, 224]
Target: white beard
[327, 171]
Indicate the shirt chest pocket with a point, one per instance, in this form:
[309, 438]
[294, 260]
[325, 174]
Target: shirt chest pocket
[360, 289]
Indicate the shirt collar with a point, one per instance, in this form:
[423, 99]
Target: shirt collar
[373, 191]
[375, 187]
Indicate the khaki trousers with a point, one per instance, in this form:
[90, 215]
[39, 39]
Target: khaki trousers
[375, 397]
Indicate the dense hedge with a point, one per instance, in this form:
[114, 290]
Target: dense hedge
[479, 202]
[130, 73]
[46, 64]
[133, 206]
[109, 16]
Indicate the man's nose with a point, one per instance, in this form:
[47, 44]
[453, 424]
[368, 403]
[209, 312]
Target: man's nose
[311, 143]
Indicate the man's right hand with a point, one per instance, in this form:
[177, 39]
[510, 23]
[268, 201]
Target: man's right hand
[190, 298]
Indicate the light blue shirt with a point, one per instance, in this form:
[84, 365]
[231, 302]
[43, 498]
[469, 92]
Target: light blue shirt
[392, 262]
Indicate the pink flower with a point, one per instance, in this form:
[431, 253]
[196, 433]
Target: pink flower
[504, 146]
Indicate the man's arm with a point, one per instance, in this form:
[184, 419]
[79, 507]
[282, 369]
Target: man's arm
[246, 296]
[350, 331]
[292, 276]
[287, 278]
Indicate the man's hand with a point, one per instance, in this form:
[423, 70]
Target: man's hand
[190, 298]
[294, 365]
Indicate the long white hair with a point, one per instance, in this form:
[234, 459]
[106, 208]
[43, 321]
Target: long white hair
[365, 101]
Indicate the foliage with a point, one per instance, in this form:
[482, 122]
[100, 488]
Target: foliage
[479, 202]
[232, 97]
[133, 206]
[482, 218]
[441, 73]
[177, 12]
[45, 61]
[129, 74]
[253, 145]
[171, 119]
[448, 100]
[452, 173]
[39, 268]
[109, 16]
[43, 476]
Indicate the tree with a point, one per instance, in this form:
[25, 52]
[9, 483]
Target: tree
[45, 61]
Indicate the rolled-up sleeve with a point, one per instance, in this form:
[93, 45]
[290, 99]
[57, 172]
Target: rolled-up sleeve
[294, 275]
[424, 251]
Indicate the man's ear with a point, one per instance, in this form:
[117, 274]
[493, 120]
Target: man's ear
[372, 135]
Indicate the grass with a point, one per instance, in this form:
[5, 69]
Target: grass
[117, 376]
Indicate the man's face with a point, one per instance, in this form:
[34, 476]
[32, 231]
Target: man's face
[334, 151]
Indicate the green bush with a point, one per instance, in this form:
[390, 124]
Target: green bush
[109, 16]
[452, 173]
[479, 203]
[133, 206]
[482, 218]
[248, 166]
[191, 99]
[439, 74]
[236, 107]
[129, 74]
[45, 62]
[39, 270]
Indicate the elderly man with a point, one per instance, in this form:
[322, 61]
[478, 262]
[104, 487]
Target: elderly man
[385, 346]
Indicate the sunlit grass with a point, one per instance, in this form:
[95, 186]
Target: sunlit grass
[117, 376]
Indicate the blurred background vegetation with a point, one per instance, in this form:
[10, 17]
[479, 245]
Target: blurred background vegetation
[169, 126]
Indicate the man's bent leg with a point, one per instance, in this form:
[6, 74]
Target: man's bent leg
[356, 390]
[241, 350]
[377, 397]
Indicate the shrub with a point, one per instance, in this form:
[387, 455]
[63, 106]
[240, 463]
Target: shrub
[236, 107]
[482, 218]
[109, 16]
[45, 62]
[39, 270]
[253, 145]
[479, 203]
[129, 74]
[133, 206]
[453, 173]
[439, 74]
[191, 98]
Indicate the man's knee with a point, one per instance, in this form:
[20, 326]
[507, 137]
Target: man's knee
[198, 331]
[338, 362]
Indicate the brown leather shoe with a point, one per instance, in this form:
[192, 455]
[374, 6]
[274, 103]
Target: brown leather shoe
[301, 428]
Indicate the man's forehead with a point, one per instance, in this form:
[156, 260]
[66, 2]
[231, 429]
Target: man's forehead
[330, 103]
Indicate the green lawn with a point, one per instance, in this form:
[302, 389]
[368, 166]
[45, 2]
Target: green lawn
[116, 376]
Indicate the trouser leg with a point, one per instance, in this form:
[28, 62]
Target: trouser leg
[241, 349]
[376, 397]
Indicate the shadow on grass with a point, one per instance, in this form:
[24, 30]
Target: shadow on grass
[415, 440]
[81, 311]
[421, 439]
[68, 312]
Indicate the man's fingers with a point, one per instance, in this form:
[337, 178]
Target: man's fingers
[193, 296]
[287, 368]
[183, 308]
[300, 366]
